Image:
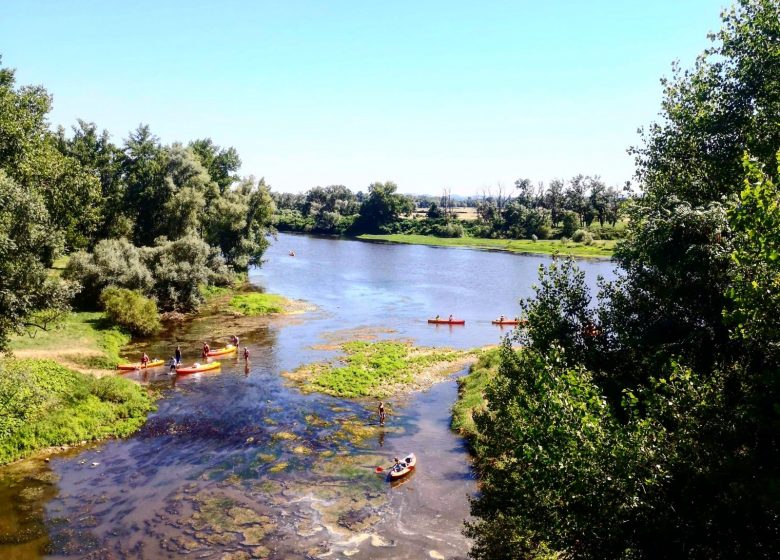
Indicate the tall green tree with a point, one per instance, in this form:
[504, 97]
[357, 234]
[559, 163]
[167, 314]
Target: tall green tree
[383, 206]
[29, 297]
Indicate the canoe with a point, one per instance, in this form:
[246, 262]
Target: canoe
[195, 368]
[406, 466]
[447, 322]
[139, 365]
[508, 322]
[229, 349]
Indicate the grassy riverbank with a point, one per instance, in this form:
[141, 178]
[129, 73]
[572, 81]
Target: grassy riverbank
[471, 393]
[44, 404]
[598, 249]
[380, 369]
[245, 301]
[85, 341]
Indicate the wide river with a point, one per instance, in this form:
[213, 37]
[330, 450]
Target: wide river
[240, 464]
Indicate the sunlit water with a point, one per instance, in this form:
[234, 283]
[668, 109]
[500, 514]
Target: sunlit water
[238, 464]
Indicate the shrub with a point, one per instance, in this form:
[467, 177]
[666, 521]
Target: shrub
[578, 235]
[114, 262]
[571, 222]
[449, 230]
[131, 310]
[542, 232]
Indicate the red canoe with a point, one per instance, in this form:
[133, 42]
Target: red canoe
[509, 322]
[447, 321]
[195, 368]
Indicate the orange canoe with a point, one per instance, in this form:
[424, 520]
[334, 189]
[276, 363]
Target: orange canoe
[505, 322]
[195, 368]
[447, 321]
[139, 365]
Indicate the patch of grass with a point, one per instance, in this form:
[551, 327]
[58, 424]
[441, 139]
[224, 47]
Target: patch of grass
[471, 393]
[44, 404]
[598, 249]
[210, 292]
[256, 303]
[84, 340]
[375, 369]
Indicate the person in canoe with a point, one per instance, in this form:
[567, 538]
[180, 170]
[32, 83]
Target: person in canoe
[381, 413]
[396, 464]
[437, 318]
[144, 360]
[177, 355]
[501, 319]
[450, 319]
[206, 350]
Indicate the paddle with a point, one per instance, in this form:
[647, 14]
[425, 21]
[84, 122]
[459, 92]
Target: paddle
[380, 469]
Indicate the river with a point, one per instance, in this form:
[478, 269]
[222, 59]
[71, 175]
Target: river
[239, 464]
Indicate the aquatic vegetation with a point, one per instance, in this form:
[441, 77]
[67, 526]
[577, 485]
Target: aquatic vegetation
[282, 435]
[256, 303]
[45, 404]
[378, 369]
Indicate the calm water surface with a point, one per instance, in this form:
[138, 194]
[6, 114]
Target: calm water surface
[237, 464]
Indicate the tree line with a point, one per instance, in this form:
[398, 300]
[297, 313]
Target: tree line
[138, 215]
[646, 423]
[522, 212]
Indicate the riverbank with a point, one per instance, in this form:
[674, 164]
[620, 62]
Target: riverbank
[380, 369]
[471, 395]
[44, 404]
[598, 249]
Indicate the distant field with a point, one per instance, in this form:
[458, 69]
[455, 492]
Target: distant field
[469, 213]
[599, 249]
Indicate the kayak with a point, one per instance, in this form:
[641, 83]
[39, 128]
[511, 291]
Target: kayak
[139, 365]
[405, 467]
[508, 322]
[447, 321]
[195, 368]
[229, 349]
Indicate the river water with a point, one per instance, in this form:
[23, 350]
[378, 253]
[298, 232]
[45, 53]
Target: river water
[239, 464]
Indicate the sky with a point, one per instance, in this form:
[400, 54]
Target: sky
[429, 94]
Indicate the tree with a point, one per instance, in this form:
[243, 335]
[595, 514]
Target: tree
[144, 165]
[220, 163]
[29, 297]
[383, 206]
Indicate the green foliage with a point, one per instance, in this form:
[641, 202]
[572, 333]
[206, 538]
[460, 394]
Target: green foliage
[382, 207]
[131, 310]
[29, 296]
[256, 303]
[471, 394]
[571, 223]
[43, 404]
[653, 432]
[755, 290]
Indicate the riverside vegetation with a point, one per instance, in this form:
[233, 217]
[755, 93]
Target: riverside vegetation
[647, 425]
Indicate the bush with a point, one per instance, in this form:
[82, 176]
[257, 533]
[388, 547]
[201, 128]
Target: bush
[542, 232]
[114, 262]
[578, 235]
[571, 222]
[131, 310]
[450, 230]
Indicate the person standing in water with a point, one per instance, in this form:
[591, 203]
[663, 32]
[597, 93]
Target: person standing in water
[234, 340]
[206, 350]
[177, 355]
[246, 354]
[381, 413]
[144, 360]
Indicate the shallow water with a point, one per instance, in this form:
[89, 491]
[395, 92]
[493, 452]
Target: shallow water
[236, 463]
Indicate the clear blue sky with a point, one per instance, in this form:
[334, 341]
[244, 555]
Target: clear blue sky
[428, 94]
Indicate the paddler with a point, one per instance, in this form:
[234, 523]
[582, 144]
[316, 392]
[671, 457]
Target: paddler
[450, 319]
